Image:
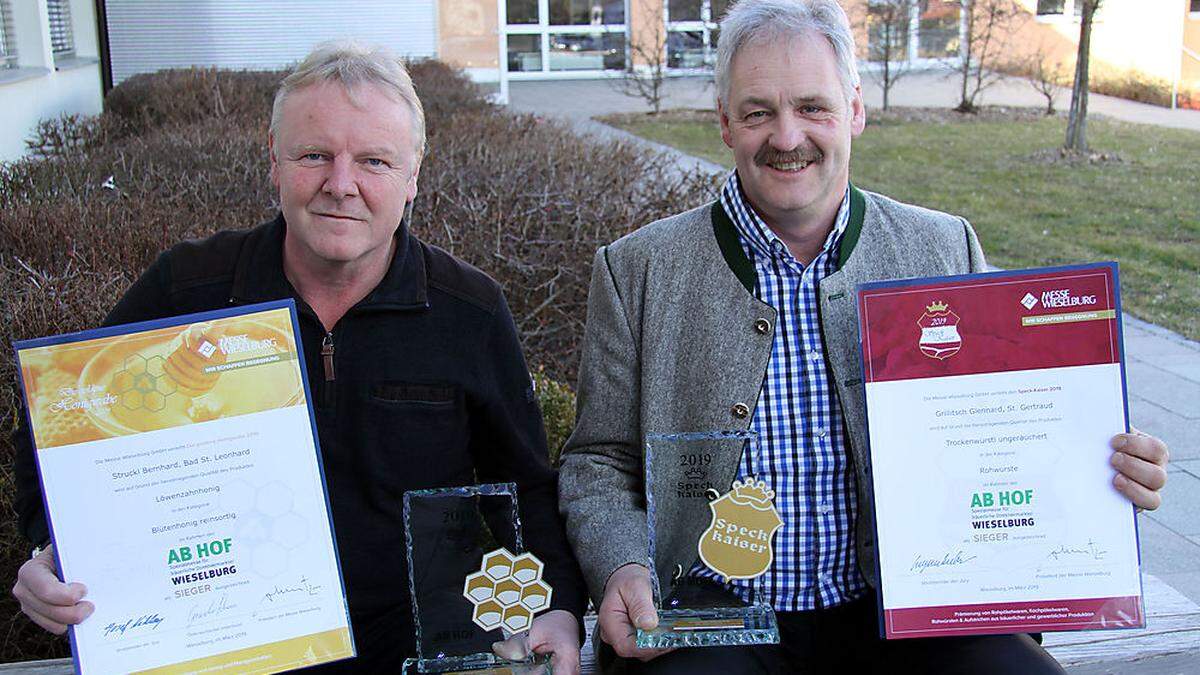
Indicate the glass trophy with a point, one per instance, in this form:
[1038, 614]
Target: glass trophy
[472, 583]
[713, 595]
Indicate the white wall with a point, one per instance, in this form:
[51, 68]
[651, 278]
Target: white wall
[1142, 35]
[149, 35]
[1139, 35]
[41, 88]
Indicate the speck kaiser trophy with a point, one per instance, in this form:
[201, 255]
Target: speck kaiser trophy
[710, 540]
[471, 581]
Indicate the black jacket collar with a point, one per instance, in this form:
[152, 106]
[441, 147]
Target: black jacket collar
[259, 275]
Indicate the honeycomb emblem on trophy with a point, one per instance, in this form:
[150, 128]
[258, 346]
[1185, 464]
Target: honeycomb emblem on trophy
[142, 383]
[507, 591]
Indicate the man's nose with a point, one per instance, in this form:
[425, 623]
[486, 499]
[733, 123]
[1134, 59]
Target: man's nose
[789, 133]
[341, 181]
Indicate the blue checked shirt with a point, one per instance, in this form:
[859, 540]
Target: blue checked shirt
[803, 450]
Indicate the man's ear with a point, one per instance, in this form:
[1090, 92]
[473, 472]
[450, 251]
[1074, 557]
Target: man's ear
[410, 188]
[858, 113]
[726, 135]
[274, 161]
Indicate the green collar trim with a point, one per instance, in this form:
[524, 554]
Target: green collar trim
[858, 208]
[740, 265]
[731, 248]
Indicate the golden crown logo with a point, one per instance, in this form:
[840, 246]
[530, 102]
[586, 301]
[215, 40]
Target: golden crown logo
[738, 543]
[940, 338]
[751, 493]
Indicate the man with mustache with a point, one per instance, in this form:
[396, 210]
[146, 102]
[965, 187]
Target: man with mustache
[741, 314]
[413, 359]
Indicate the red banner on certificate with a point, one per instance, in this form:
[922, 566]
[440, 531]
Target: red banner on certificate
[995, 322]
[990, 402]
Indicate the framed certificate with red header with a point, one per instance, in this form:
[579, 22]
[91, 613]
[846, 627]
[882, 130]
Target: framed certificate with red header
[991, 399]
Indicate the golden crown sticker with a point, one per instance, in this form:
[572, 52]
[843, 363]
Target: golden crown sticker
[507, 591]
[738, 544]
[939, 331]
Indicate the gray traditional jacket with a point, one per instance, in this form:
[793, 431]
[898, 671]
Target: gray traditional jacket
[677, 342]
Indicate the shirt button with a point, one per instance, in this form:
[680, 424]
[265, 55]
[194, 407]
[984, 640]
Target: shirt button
[823, 508]
[762, 326]
[814, 355]
[740, 410]
[821, 432]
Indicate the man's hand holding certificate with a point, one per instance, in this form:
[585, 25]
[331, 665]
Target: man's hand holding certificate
[992, 400]
[183, 485]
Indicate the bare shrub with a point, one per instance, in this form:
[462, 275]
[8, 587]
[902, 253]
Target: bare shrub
[988, 28]
[168, 97]
[1045, 76]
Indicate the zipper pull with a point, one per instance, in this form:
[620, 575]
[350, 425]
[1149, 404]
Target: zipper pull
[327, 356]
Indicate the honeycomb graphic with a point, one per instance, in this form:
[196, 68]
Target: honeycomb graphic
[507, 591]
[142, 383]
[268, 525]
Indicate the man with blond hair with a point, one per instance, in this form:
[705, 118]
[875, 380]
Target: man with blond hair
[414, 363]
[741, 314]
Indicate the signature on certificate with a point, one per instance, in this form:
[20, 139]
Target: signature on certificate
[920, 564]
[285, 592]
[214, 608]
[1091, 550]
[135, 625]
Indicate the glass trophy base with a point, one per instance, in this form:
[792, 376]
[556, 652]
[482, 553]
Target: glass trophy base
[712, 627]
[481, 664]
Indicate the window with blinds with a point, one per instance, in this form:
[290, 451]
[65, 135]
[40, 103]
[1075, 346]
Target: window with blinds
[8, 41]
[62, 42]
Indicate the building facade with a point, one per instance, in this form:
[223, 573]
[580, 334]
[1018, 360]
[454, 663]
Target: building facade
[49, 66]
[497, 41]
[1156, 41]
[59, 56]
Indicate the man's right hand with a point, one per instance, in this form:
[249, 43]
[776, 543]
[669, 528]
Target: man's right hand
[628, 604]
[51, 604]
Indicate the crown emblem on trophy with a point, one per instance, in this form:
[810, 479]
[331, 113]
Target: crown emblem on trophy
[694, 473]
[937, 307]
[752, 493]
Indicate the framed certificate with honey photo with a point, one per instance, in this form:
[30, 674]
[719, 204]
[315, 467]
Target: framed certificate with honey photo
[184, 487]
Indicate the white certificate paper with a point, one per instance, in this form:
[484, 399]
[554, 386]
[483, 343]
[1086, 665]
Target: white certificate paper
[183, 486]
[991, 399]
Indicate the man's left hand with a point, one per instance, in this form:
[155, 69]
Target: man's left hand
[1141, 464]
[556, 633]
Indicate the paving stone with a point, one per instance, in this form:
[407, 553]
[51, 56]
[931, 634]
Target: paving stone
[1176, 394]
[1180, 510]
[1165, 552]
[1181, 435]
[1185, 369]
[1191, 466]
[1187, 583]
[1147, 341]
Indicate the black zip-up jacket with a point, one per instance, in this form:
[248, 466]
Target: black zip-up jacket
[422, 384]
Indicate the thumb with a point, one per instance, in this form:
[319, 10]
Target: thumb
[515, 648]
[639, 603]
